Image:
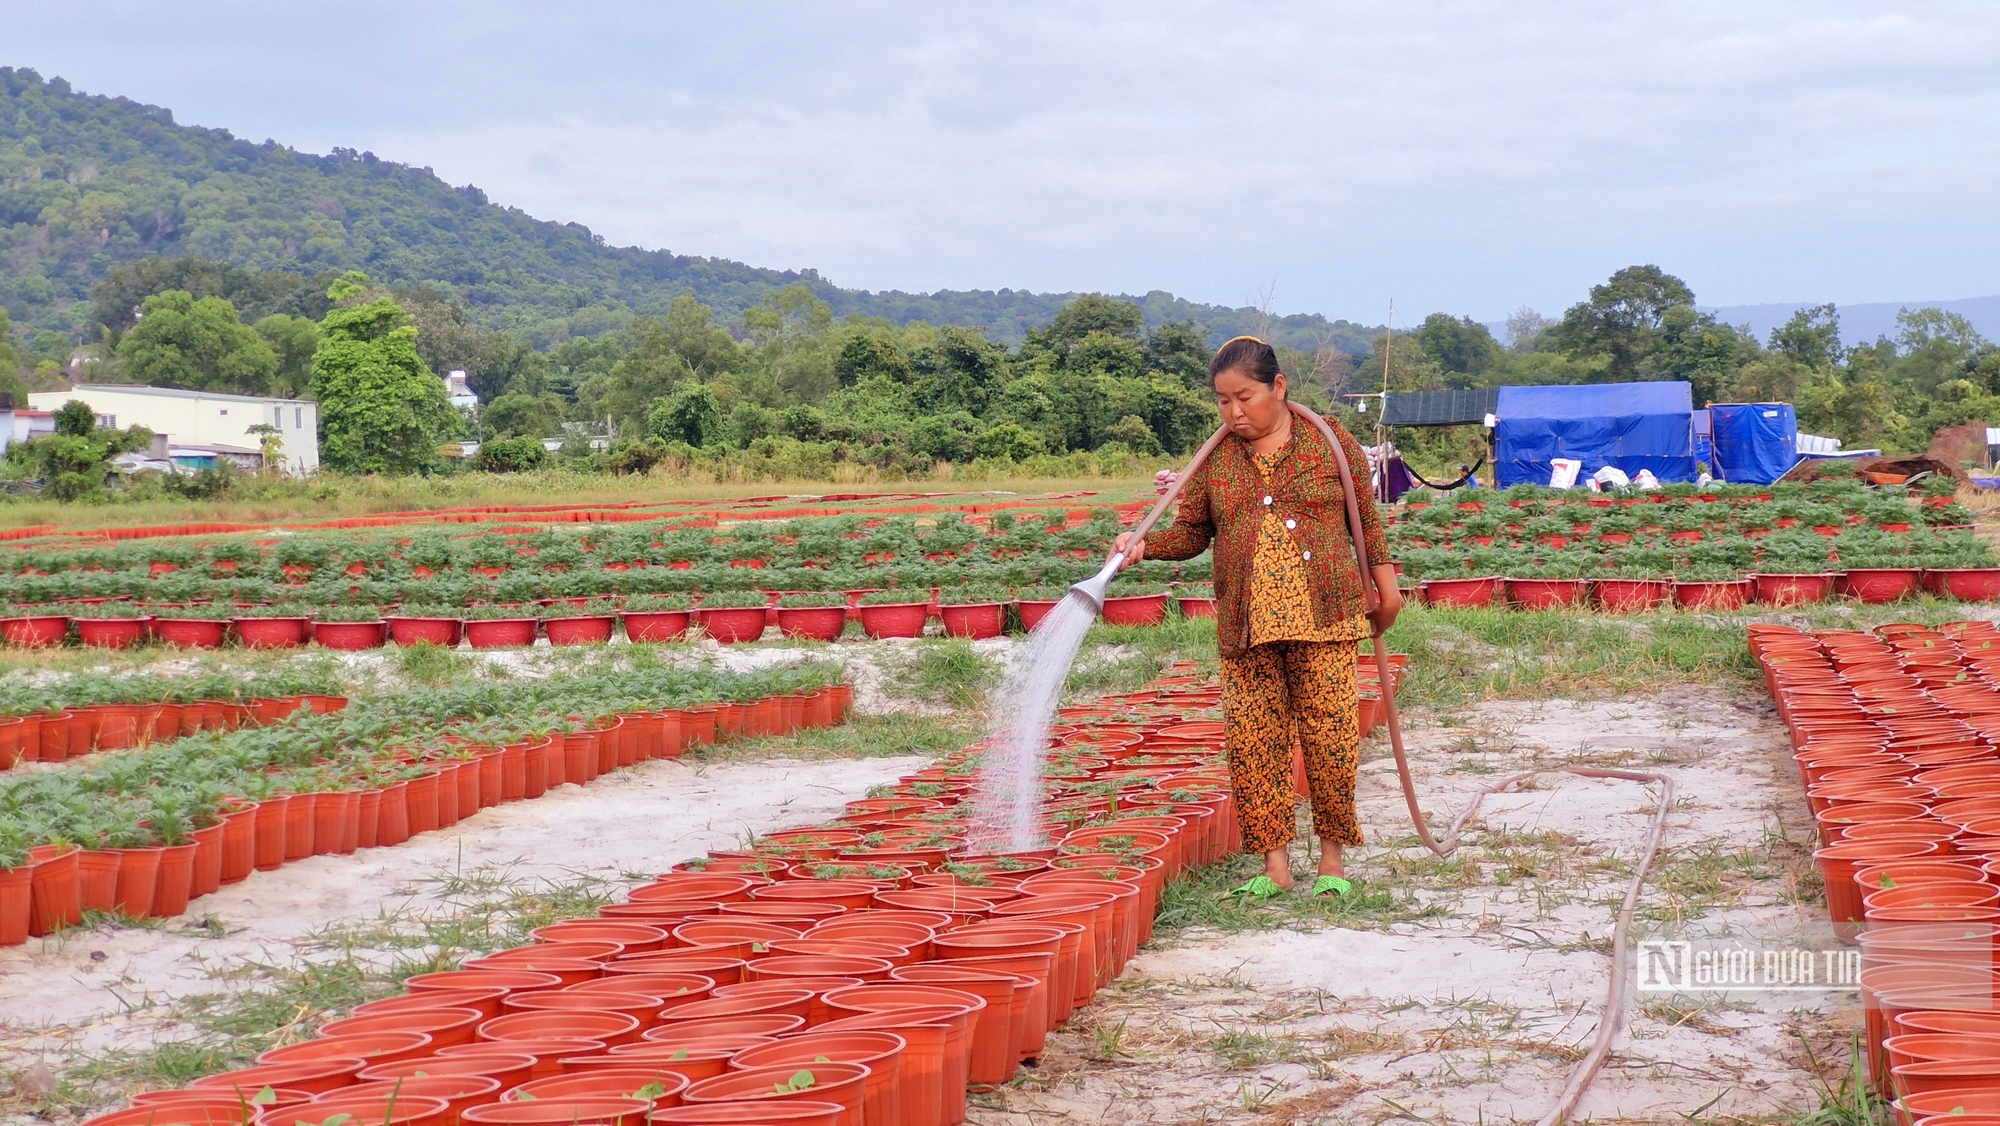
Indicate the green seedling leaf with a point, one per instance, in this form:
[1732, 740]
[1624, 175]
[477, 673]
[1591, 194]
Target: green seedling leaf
[800, 1080]
[265, 1097]
[757, 948]
[524, 1096]
[680, 1055]
[650, 1091]
[821, 1059]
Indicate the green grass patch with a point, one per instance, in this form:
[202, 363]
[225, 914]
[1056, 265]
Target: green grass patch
[861, 736]
[950, 671]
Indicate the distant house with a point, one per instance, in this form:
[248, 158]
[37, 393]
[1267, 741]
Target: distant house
[202, 427]
[459, 392]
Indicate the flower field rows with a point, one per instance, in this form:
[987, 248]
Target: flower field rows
[1714, 548]
[140, 832]
[866, 971]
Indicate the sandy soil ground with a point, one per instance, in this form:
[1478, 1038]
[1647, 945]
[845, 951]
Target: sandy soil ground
[1476, 1012]
[112, 987]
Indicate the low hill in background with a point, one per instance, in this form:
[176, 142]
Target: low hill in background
[90, 182]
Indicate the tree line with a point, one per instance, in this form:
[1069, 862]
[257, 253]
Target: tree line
[1642, 324]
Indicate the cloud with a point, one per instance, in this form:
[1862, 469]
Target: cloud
[1455, 154]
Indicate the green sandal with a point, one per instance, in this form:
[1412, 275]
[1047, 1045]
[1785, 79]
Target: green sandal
[1334, 884]
[1262, 887]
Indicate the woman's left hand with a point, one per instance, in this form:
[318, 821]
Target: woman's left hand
[1390, 599]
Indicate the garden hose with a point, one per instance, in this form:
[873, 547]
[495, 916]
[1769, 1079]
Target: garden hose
[1608, 1021]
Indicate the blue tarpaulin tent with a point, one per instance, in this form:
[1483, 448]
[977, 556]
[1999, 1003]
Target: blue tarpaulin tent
[1755, 443]
[1632, 426]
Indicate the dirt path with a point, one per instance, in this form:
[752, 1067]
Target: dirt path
[111, 987]
[1469, 999]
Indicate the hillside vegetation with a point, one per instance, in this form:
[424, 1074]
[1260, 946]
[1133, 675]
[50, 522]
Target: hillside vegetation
[88, 183]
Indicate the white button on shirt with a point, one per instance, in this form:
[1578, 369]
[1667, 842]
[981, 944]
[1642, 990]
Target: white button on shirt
[1308, 555]
[1290, 524]
[1267, 502]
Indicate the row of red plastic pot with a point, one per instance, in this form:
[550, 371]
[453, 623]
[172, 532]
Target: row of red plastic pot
[1628, 595]
[71, 732]
[865, 973]
[1889, 732]
[61, 882]
[729, 625]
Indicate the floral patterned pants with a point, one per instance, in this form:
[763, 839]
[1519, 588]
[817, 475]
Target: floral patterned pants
[1274, 693]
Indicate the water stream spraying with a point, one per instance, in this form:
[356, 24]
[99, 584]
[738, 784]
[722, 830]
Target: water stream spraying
[1007, 796]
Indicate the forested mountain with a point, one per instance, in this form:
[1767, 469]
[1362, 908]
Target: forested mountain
[90, 182]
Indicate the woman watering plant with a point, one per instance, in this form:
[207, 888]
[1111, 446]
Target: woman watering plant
[1291, 606]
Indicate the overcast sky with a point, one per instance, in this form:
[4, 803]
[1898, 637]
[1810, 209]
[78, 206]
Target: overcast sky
[1465, 156]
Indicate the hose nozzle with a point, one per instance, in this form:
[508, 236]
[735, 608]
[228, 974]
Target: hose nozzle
[1096, 586]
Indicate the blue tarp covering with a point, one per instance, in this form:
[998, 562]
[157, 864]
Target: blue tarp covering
[1632, 426]
[1755, 443]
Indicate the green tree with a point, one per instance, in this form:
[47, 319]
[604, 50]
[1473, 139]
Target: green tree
[510, 455]
[380, 409]
[74, 461]
[686, 344]
[1178, 349]
[518, 415]
[1623, 319]
[196, 345]
[293, 340]
[10, 363]
[1811, 338]
[691, 415]
[1463, 347]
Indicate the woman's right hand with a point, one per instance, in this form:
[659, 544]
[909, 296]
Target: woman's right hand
[1134, 549]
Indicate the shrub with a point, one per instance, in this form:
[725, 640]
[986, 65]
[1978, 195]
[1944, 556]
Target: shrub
[511, 455]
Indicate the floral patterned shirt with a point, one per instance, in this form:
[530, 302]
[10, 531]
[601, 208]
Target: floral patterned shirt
[1281, 607]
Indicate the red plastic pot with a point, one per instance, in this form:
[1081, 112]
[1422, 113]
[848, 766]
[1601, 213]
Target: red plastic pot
[841, 1083]
[880, 1052]
[1876, 585]
[571, 1111]
[1463, 594]
[1628, 596]
[1197, 607]
[316, 1076]
[192, 1113]
[652, 626]
[1965, 584]
[191, 633]
[510, 1070]
[813, 623]
[349, 636]
[174, 882]
[791, 1112]
[897, 619]
[1136, 610]
[1731, 595]
[733, 624]
[272, 633]
[375, 1047]
[623, 1082]
[361, 1110]
[500, 633]
[974, 620]
[55, 889]
[1792, 590]
[586, 629]
[35, 631]
[112, 633]
[433, 631]
[17, 900]
[1546, 594]
[1033, 610]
